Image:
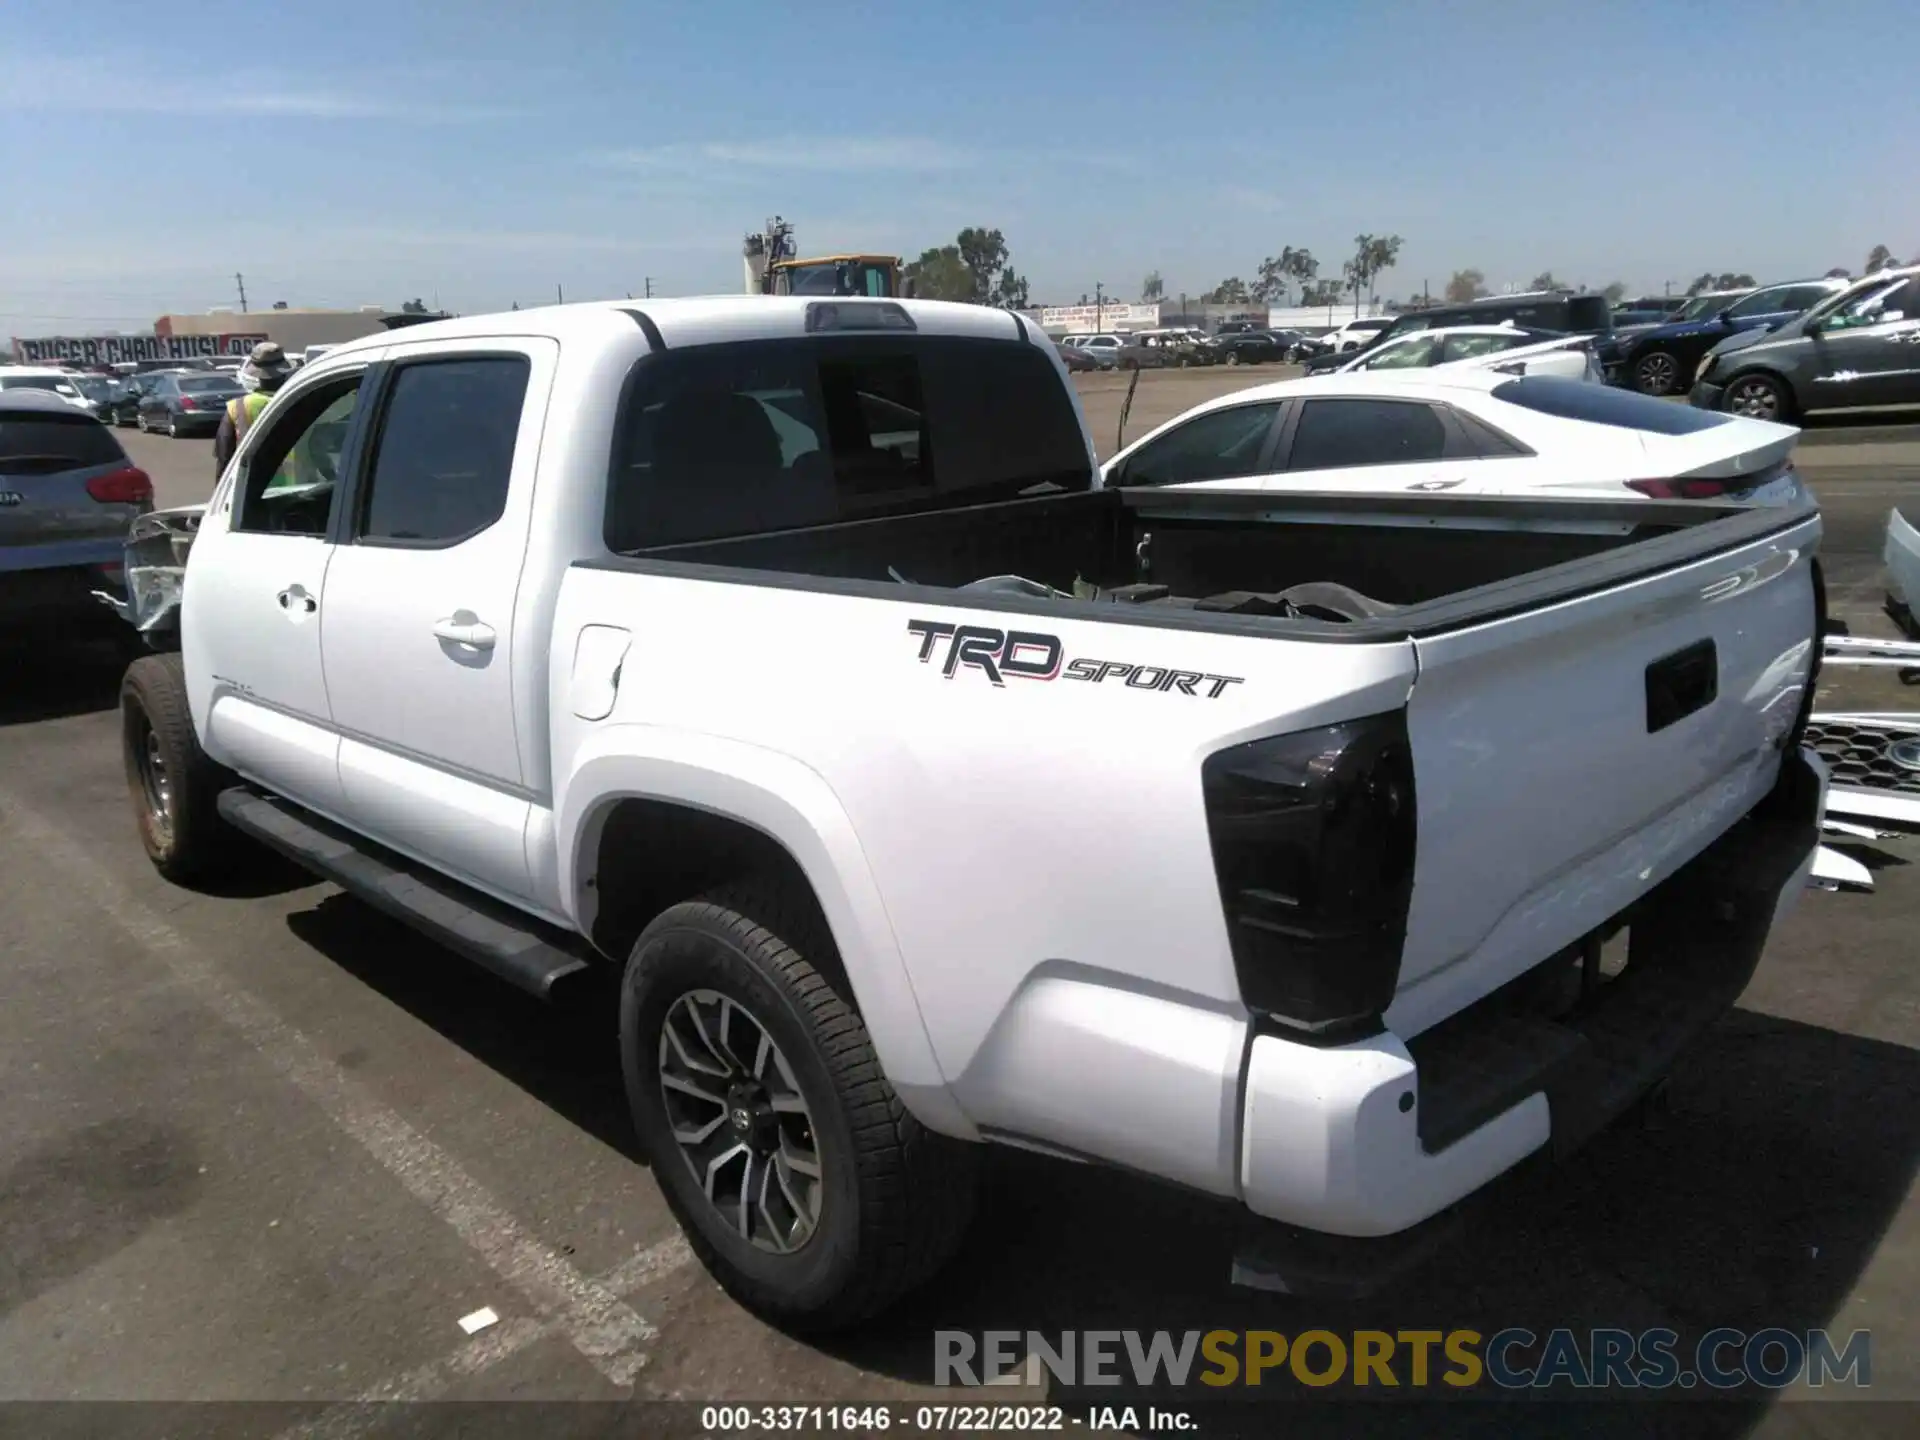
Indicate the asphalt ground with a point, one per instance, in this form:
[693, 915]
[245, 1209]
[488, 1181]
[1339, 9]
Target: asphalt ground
[267, 1146]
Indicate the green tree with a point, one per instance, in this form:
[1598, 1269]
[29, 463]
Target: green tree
[1839, 272]
[1616, 292]
[1373, 256]
[1231, 291]
[1725, 280]
[1543, 281]
[1320, 292]
[1878, 258]
[414, 307]
[974, 270]
[940, 274]
[1466, 285]
[1151, 288]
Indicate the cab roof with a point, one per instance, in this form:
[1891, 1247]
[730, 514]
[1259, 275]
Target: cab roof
[690, 320]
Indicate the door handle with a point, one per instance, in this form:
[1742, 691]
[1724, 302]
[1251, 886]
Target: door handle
[296, 597]
[470, 633]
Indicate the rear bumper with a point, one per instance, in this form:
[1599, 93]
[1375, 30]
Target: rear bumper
[1373, 1138]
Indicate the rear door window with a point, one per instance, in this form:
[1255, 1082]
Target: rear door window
[1466, 347]
[726, 440]
[49, 444]
[1219, 445]
[444, 454]
[1336, 434]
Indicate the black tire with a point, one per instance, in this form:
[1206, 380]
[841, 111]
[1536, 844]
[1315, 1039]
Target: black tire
[173, 428]
[175, 808]
[895, 1198]
[140, 423]
[1233, 357]
[1760, 395]
[1656, 373]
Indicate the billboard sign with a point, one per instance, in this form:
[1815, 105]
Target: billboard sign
[123, 349]
[1077, 318]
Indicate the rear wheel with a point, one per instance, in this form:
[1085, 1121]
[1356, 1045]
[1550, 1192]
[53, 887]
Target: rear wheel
[173, 427]
[801, 1181]
[1233, 357]
[172, 782]
[1758, 396]
[1656, 373]
[140, 422]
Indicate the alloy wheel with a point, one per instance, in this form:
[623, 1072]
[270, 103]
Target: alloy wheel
[1656, 373]
[740, 1121]
[1755, 398]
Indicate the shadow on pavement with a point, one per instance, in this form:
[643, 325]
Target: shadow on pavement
[52, 681]
[1756, 1203]
[565, 1054]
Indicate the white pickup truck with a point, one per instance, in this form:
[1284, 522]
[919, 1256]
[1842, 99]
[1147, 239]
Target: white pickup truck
[785, 654]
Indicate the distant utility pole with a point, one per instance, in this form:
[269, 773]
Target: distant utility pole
[649, 287]
[1099, 303]
[237, 280]
[558, 298]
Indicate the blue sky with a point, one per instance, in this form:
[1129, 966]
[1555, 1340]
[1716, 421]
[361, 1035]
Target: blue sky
[343, 153]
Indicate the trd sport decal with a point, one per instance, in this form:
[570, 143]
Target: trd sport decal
[1028, 655]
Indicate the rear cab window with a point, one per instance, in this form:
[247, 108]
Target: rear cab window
[739, 439]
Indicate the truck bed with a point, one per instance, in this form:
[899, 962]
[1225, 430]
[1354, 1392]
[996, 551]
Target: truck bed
[1216, 560]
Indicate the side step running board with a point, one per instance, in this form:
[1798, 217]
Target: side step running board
[490, 934]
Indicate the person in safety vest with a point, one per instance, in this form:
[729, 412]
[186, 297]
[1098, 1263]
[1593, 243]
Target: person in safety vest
[266, 371]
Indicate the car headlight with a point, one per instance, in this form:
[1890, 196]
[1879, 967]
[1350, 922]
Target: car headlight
[1706, 364]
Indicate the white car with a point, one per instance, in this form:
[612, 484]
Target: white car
[1464, 430]
[1508, 348]
[58, 382]
[1355, 333]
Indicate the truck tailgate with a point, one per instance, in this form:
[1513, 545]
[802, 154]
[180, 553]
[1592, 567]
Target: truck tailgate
[1569, 758]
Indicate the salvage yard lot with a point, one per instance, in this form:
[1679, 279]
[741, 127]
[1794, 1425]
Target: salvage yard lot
[271, 1146]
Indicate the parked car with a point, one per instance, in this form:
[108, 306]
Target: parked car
[1507, 348]
[100, 393]
[133, 389]
[1105, 349]
[1561, 312]
[1254, 347]
[1357, 334]
[47, 380]
[1668, 307]
[1465, 431]
[68, 494]
[1858, 349]
[869, 917]
[185, 403]
[1661, 361]
[1076, 361]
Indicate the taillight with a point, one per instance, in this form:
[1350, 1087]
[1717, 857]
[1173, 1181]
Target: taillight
[1680, 489]
[1732, 487]
[1313, 839]
[187, 403]
[122, 487]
